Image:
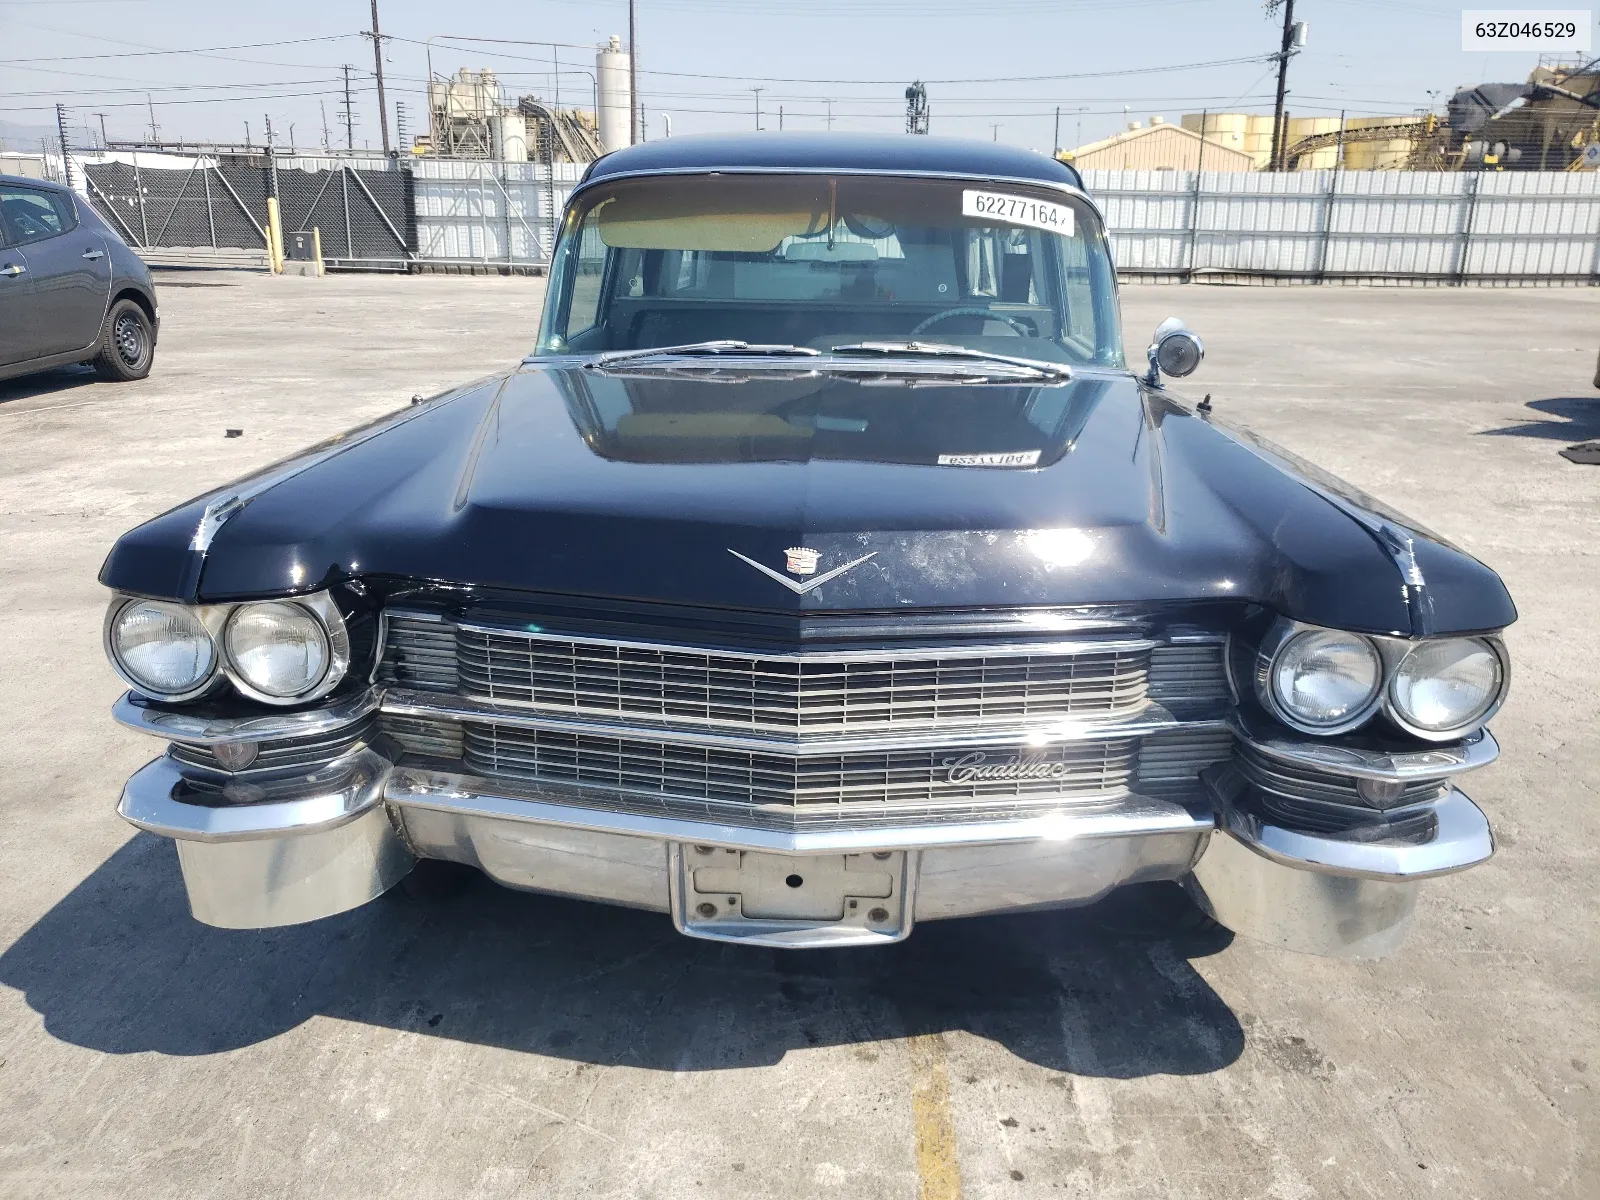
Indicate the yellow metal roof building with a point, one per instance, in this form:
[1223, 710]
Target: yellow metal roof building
[1159, 146]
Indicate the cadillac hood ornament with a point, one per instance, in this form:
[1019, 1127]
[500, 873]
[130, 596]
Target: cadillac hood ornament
[802, 561]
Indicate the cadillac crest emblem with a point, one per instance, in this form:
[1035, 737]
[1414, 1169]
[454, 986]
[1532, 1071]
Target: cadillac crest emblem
[801, 561]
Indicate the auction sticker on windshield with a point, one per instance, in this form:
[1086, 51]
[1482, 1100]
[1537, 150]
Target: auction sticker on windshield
[1018, 210]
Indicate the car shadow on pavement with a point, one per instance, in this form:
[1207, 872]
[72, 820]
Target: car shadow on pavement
[1576, 419]
[119, 966]
[43, 383]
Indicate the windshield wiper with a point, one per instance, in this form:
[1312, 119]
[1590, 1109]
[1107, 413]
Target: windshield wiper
[695, 349]
[947, 350]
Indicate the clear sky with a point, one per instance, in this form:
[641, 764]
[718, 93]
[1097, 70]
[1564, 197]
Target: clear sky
[995, 68]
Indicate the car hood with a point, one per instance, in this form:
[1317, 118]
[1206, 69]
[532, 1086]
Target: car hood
[563, 480]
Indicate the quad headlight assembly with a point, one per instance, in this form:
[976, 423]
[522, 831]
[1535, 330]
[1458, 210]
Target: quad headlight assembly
[1328, 681]
[278, 652]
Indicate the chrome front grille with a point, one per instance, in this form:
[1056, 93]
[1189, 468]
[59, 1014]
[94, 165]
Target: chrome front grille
[719, 732]
[904, 784]
[1172, 762]
[419, 653]
[816, 693]
[1189, 673]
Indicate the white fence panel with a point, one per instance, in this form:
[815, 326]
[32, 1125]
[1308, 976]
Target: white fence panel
[493, 214]
[1404, 226]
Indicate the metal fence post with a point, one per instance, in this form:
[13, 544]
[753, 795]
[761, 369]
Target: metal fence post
[1473, 182]
[505, 195]
[349, 237]
[211, 216]
[1327, 225]
[138, 187]
[1194, 203]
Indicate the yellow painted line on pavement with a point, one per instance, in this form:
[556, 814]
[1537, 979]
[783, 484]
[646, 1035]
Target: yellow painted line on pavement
[933, 1125]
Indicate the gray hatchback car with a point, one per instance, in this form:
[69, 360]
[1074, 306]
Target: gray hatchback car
[71, 291]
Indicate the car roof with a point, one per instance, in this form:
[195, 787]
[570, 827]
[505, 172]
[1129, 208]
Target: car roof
[853, 152]
[30, 182]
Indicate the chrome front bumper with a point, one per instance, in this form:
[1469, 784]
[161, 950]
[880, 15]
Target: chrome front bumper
[344, 833]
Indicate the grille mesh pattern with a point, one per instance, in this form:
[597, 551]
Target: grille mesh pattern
[420, 654]
[1189, 674]
[869, 781]
[795, 696]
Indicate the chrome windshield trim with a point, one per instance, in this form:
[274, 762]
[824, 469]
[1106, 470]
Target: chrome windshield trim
[146, 716]
[881, 653]
[1435, 762]
[405, 702]
[1049, 185]
[1462, 839]
[453, 792]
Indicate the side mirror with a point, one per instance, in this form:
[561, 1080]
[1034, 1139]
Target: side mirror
[1174, 351]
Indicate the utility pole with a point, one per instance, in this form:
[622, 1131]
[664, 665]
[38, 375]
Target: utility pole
[400, 124]
[996, 129]
[633, 73]
[349, 113]
[780, 118]
[323, 104]
[61, 130]
[104, 141]
[377, 65]
[1058, 130]
[830, 116]
[155, 131]
[1291, 35]
[758, 91]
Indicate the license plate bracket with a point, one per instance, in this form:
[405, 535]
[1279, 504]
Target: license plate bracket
[791, 900]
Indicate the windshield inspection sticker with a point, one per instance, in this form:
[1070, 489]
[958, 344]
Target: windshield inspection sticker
[1018, 210]
[1014, 458]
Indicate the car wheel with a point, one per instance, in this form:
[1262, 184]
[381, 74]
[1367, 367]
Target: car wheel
[127, 344]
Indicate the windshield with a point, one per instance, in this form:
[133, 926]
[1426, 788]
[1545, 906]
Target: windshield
[820, 261]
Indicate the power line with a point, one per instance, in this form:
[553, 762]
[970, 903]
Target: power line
[197, 50]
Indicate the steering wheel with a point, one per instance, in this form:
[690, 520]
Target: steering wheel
[1020, 329]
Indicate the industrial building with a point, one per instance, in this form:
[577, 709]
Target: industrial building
[1243, 142]
[469, 116]
[1160, 146]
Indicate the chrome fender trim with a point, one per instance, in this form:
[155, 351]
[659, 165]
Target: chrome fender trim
[1462, 839]
[334, 795]
[147, 716]
[1435, 762]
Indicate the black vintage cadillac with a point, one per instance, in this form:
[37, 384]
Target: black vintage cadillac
[825, 569]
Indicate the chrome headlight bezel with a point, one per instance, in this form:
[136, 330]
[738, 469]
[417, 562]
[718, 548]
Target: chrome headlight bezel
[1392, 709]
[215, 617]
[325, 613]
[1279, 638]
[208, 620]
[1392, 651]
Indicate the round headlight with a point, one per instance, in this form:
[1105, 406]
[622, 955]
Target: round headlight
[277, 649]
[162, 649]
[1446, 686]
[1324, 679]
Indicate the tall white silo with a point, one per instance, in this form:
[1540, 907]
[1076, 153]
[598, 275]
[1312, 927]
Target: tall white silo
[611, 72]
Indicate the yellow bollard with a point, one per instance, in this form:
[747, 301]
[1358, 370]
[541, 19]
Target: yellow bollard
[274, 237]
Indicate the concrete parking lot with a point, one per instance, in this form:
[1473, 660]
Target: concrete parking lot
[497, 1045]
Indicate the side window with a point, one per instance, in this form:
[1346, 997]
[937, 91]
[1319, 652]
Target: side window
[33, 216]
[588, 273]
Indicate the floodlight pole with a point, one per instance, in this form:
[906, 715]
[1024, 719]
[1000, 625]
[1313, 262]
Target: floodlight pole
[633, 74]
